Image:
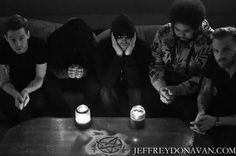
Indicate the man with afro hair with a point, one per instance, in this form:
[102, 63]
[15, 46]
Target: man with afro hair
[180, 50]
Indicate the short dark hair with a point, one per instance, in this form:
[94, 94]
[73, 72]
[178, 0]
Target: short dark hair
[16, 22]
[223, 32]
[189, 12]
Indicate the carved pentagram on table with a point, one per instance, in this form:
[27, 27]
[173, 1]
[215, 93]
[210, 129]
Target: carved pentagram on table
[104, 144]
[109, 145]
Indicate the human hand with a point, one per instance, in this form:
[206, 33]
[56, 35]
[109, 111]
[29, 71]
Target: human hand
[72, 71]
[26, 98]
[131, 46]
[19, 101]
[166, 96]
[195, 123]
[80, 71]
[115, 45]
[173, 90]
[204, 122]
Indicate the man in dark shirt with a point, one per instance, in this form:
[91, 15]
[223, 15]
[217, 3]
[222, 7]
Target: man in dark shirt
[122, 66]
[23, 67]
[70, 66]
[217, 98]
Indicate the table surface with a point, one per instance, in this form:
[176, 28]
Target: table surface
[106, 136]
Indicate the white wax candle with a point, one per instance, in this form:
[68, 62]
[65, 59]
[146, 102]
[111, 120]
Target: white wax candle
[137, 113]
[82, 115]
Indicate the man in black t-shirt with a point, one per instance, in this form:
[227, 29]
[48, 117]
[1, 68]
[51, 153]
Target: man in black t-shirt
[217, 98]
[23, 67]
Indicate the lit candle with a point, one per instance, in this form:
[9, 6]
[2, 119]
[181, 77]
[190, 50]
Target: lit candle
[82, 115]
[137, 116]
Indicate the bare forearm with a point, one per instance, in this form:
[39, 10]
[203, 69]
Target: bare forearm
[228, 120]
[156, 75]
[60, 73]
[189, 86]
[205, 94]
[9, 89]
[34, 85]
[6, 84]
[158, 84]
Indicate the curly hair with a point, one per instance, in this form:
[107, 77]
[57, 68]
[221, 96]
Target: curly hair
[189, 12]
[16, 22]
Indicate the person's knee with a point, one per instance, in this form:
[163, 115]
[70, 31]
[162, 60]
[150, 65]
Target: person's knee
[135, 96]
[92, 88]
[37, 99]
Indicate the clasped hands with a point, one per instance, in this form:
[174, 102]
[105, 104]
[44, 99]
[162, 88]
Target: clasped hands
[202, 123]
[128, 50]
[76, 71]
[22, 99]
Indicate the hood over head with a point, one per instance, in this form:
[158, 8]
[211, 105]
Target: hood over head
[123, 25]
[78, 32]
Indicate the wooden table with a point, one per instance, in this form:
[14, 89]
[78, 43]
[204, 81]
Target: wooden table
[105, 136]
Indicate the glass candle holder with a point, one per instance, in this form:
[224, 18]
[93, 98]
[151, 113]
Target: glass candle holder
[82, 115]
[137, 117]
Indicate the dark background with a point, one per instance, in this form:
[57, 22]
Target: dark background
[99, 13]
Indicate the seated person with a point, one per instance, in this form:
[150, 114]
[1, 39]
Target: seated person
[23, 66]
[122, 67]
[70, 67]
[217, 97]
[180, 50]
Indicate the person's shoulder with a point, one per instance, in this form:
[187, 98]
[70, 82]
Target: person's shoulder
[141, 43]
[206, 28]
[5, 47]
[3, 44]
[205, 35]
[165, 31]
[36, 42]
[104, 43]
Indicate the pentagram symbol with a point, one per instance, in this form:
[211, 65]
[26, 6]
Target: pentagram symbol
[104, 144]
[109, 145]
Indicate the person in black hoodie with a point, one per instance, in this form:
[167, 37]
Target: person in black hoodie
[70, 65]
[122, 65]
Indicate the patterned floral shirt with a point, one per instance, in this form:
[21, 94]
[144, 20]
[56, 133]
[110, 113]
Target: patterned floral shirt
[185, 60]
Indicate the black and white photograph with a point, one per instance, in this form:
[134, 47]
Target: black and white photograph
[117, 77]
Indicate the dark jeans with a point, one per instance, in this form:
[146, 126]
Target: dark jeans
[35, 107]
[118, 101]
[223, 136]
[55, 89]
[184, 107]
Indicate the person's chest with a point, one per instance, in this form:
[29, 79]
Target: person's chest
[22, 62]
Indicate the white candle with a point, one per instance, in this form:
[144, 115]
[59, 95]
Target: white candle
[137, 113]
[82, 115]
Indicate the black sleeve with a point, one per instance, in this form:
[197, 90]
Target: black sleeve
[137, 65]
[57, 57]
[55, 50]
[41, 52]
[107, 64]
[3, 53]
[210, 67]
[144, 59]
[131, 71]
